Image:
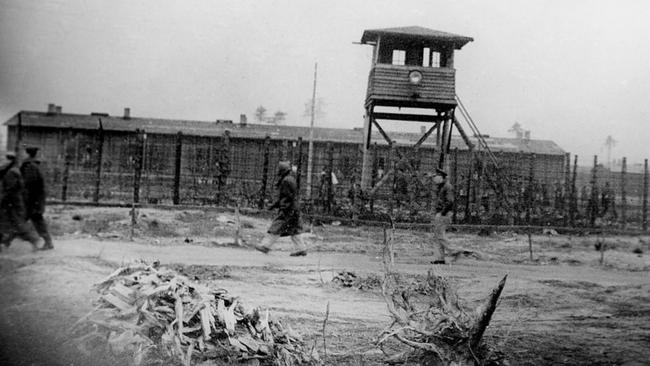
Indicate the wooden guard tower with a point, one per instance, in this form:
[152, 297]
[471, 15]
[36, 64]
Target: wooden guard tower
[413, 68]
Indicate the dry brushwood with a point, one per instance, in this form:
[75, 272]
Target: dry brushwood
[152, 312]
[440, 332]
[351, 279]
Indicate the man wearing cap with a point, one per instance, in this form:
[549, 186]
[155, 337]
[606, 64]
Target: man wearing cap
[12, 206]
[35, 194]
[287, 223]
[443, 205]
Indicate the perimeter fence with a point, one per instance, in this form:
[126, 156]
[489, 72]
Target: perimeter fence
[126, 168]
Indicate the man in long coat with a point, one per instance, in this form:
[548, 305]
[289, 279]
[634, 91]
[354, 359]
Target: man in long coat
[287, 223]
[12, 206]
[34, 194]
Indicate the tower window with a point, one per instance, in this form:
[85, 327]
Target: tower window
[435, 59]
[399, 57]
[426, 56]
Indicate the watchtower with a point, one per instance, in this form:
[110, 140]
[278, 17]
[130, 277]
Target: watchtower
[412, 68]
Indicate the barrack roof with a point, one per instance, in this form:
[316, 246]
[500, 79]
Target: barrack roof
[259, 131]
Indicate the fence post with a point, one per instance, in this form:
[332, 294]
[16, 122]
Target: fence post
[573, 204]
[284, 151]
[388, 167]
[645, 195]
[138, 164]
[265, 172]
[19, 135]
[454, 180]
[593, 202]
[66, 168]
[566, 200]
[224, 165]
[100, 152]
[66, 174]
[531, 194]
[299, 163]
[530, 244]
[478, 186]
[373, 176]
[470, 173]
[211, 160]
[624, 193]
[177, 168]
[330, 171]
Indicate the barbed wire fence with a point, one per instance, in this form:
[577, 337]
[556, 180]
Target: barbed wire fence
[528, 190]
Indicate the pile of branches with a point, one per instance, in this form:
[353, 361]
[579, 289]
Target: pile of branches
[438, 331]
[153, 312]
[351, 279]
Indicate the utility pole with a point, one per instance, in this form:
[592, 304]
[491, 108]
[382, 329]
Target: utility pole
[610, 143]
[310, 153]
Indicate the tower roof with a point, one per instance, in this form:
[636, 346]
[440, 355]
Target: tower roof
[415, 33]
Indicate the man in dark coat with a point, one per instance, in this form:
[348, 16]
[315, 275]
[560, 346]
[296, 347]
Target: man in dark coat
[12, 206]
[443, 206]
[35, 195]
[287, 223]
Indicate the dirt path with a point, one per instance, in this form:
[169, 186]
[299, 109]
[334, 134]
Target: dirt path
[549, 314]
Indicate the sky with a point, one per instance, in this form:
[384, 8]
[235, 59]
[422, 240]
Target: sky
[573, 72]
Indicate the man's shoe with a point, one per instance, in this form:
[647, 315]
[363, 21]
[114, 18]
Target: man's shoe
[47, 247]
[438, 261]
[262, 249]
[300, 253]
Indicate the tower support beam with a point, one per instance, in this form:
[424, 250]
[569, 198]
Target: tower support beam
[366, 164]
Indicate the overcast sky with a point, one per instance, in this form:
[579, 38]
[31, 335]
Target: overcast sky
[570, 71]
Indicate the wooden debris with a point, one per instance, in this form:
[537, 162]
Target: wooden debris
[440, 331]
[119, 303]
[124, 293]
[144, 308]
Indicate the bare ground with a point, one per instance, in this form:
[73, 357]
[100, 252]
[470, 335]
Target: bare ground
[561, 308]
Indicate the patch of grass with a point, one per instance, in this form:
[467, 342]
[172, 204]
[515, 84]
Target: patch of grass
[100, 223]
[156, 228]
[203, 273]
[191, 216]
[247, 225]
[571, 284]
[98, 260]
[55, 228]
[206, 228]
[528, 300]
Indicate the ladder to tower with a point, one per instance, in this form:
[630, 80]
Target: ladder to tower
[497, 183]
[482, 143]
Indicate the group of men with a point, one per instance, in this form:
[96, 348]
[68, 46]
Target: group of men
[288, 222]
[22, 201]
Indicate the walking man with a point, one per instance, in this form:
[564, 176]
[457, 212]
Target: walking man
[443, 206]
[12, 206]
[35, 195]
[287, 223]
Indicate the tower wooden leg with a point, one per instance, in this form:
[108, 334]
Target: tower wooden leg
[366, 167]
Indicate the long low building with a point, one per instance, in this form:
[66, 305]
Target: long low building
[97, 156]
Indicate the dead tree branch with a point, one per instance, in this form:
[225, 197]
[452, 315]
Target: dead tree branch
[442, 330]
